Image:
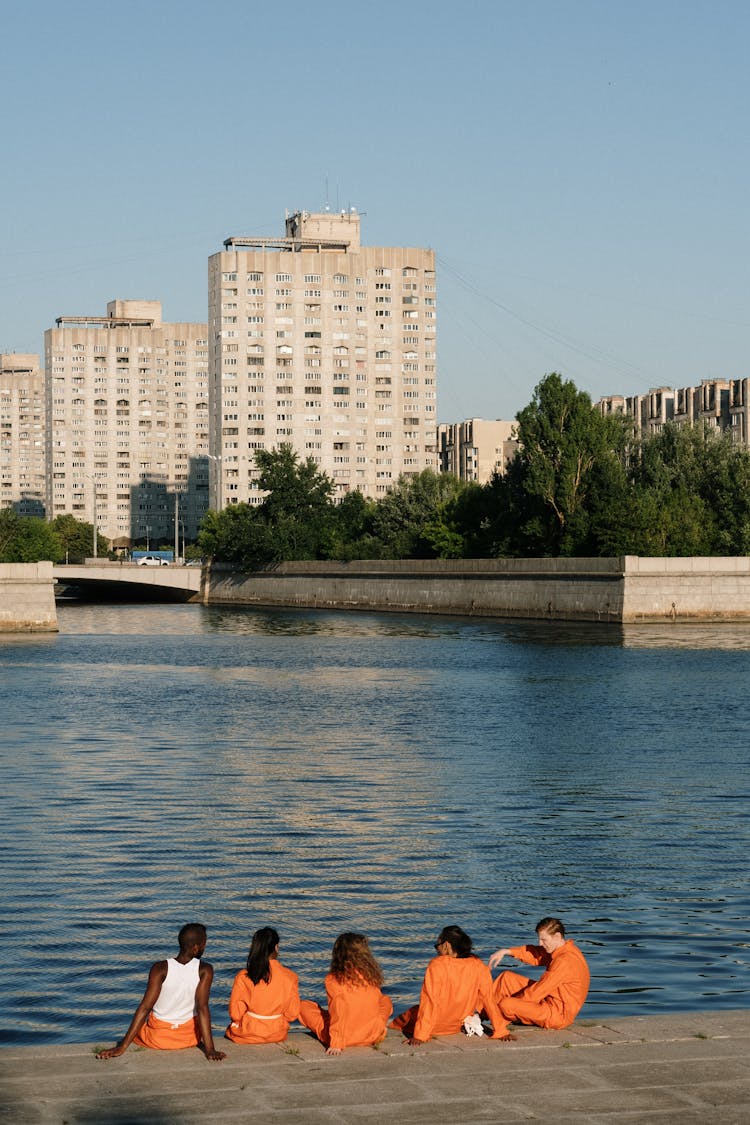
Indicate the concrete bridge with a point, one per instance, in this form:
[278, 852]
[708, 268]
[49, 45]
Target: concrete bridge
[155, 583]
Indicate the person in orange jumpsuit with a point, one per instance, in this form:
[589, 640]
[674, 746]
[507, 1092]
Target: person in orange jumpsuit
[358, 1011]
[456, 985]
[557, 997]
[265, 994]
[174, 1010]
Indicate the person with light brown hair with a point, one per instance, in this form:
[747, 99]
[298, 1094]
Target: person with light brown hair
[557, 997]
[457, 985]
[357, 1011]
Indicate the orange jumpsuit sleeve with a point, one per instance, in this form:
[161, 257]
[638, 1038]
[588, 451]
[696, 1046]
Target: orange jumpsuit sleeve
[289, 1004]
[339, 1009]
[430, 1000]
[531, 954]
[239, 1000]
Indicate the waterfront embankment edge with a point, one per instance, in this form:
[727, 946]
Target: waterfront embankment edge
[689, 1068]
[620, 590]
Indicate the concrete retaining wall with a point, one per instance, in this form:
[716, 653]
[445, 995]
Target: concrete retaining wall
[562, 589]
[27, 598]
[623, 589]
[686, 589]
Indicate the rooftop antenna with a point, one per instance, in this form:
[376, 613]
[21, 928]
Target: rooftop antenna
[327, 207]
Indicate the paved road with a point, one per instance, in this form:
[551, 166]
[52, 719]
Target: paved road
[686, 1069]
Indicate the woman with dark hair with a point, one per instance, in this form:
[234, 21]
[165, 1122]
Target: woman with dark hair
[358, 1011]
[265, 994]
[456, 986]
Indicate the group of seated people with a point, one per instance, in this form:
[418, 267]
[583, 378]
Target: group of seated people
[457, 993]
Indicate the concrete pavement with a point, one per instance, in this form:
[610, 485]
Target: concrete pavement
[686, 1069]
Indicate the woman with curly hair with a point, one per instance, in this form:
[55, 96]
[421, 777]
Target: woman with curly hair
[357, 1011]
[456, 986]
[265, 995]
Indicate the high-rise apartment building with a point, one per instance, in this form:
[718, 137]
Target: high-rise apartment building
[22, 434]
[477, 448]
[319, 342]
[127, 423]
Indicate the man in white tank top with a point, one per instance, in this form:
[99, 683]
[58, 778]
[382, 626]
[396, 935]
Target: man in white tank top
[174, 1010]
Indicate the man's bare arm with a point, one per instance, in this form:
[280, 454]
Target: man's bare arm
[156, 978]
[205, 978]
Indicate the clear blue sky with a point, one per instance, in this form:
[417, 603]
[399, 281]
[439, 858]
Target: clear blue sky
[581, 169]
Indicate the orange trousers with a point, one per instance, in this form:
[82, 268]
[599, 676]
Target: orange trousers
[514, 1007]
[163, 1036]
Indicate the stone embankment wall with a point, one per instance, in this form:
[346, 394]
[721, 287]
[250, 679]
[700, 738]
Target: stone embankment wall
[688, 589]
[623, 589]
[27, 598]
[564, 589]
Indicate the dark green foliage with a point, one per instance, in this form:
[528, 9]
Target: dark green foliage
[77, 538]
[295, 520]
[415, 519]
[568, 457]
[28, 539]
[581, 485]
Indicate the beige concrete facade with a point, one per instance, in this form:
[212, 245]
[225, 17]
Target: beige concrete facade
[127, 423]
[476, 449]
[717, 404]
[321, 343]
[27, 598]
[22, 422]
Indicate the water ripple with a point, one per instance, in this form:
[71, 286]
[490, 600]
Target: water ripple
[322, 772]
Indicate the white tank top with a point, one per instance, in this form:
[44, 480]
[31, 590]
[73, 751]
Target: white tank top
[176, 1002]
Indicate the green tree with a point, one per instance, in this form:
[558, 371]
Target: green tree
[77, 538]
[567, 451]
[351, 529]
[416, 518]
[26, 539]
[294, 521]
[700, 485]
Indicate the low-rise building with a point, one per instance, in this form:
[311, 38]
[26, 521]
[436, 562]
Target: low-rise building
[476, 448]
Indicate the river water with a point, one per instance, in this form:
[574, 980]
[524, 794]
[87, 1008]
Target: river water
[389, 774]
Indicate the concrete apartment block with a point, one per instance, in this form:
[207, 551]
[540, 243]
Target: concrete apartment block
[127, 423]
[319, 342]
[718, 404]
[476, 449]
[22, 434]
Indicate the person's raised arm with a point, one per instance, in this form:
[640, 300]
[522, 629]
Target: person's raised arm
[497, 957]
[205, 977]
[156, 978]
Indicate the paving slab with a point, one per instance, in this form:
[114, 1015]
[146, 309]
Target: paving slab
[686, 1068]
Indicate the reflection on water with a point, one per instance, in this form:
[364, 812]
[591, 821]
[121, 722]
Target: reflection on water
[322, 771]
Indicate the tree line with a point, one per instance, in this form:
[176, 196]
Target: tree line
[580, 485]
